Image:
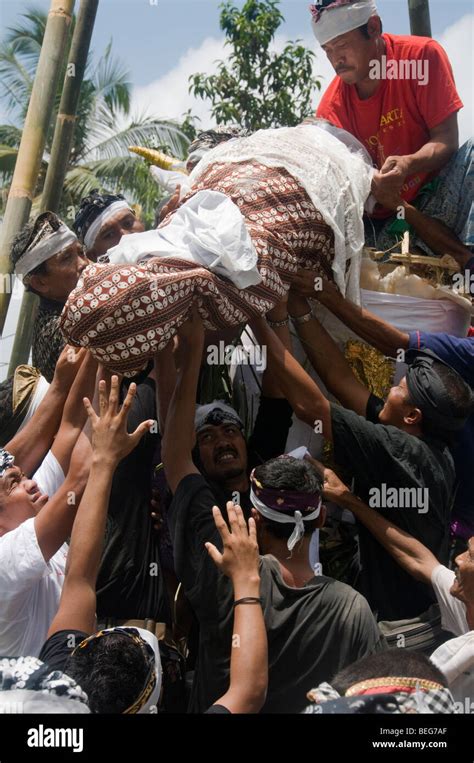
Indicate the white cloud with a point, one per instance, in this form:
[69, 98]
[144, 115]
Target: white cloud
[168, 96]
[458, 41]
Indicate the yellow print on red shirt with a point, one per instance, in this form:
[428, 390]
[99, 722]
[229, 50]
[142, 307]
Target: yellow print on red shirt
[389, 121]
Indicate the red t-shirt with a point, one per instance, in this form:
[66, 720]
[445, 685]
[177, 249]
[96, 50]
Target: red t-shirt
[396, 120]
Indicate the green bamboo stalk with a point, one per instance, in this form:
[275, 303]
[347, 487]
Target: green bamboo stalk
[420, 22]
[33, 138]
[58, 163]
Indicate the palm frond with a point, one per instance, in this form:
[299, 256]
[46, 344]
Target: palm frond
[149, 132]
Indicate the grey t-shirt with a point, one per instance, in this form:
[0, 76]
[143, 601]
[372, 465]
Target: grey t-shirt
[313, 632]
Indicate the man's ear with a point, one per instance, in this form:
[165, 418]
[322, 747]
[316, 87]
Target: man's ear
[321, 520]
[413, 417]
[39, 284]
[374, 27]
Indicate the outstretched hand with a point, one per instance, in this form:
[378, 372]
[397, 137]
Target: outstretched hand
[110, 439]
[239, 560]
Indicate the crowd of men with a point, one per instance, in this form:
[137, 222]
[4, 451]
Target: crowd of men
[156, 555]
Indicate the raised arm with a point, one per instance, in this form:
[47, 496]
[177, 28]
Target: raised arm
[74, 414]
[303, 394]
[165, 380]
[249, 657]
[110, 443]
[327, 359]
[30, 445]
[373, 330]
[179, 437]
[408, 552]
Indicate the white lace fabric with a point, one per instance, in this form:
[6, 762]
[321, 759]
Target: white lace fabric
[336, 180]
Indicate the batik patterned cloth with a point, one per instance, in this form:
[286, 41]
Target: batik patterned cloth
[124, 314]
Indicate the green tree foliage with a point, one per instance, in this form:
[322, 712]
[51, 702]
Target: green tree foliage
[104, 129]
[258, 87]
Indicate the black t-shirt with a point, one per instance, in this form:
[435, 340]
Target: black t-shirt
[313, 631]
[57, 648]
[384, 459]
[130, 583]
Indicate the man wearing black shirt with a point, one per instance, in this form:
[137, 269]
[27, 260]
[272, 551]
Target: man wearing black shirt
[403, 452]
[314, 624]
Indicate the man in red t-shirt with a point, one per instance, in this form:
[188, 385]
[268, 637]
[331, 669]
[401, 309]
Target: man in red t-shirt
[397, 95]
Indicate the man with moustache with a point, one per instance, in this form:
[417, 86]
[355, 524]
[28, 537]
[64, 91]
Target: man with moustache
[397, 95]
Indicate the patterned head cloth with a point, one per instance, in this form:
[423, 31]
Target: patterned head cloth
[94, 212]
[391, 695]
[331, 18]
[214, 414]
[6, 461]
[285, 506]
[49, 237]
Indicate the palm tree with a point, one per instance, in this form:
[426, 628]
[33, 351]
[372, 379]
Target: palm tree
[104, 129]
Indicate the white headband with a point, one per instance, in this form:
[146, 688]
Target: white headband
[53, 244]
[110, 211]
[277, 516]
[341, 19]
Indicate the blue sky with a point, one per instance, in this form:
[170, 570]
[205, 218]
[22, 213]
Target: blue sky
[151, 36]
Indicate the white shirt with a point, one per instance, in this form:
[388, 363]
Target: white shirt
[30, 588]
[453, 611]
[455, 658]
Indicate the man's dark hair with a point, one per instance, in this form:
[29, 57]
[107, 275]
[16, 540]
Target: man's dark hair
[393, 662]
[112, 671]
[460, 396]
[289, 474]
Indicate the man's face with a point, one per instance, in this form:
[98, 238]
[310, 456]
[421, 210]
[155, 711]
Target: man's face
[62, 273]
[463, 586]
[20, 499]
[123, 223]
[398, 411]
[223, 451]
[350, 55]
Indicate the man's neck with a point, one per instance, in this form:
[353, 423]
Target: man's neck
[294, 565]
[239, 484]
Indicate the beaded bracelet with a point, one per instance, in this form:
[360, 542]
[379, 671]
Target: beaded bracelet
[278, 324]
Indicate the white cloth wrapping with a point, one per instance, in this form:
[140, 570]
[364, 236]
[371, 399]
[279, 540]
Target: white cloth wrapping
[339, 20]
[208, 229]
[336, 180]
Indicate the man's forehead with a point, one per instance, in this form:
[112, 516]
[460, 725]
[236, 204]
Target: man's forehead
[117, 218]
[216, 427]
[340, 39]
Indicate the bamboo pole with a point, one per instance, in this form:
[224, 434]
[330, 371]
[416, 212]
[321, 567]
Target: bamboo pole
[33, 139]
[420, 22]
[57, 167]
